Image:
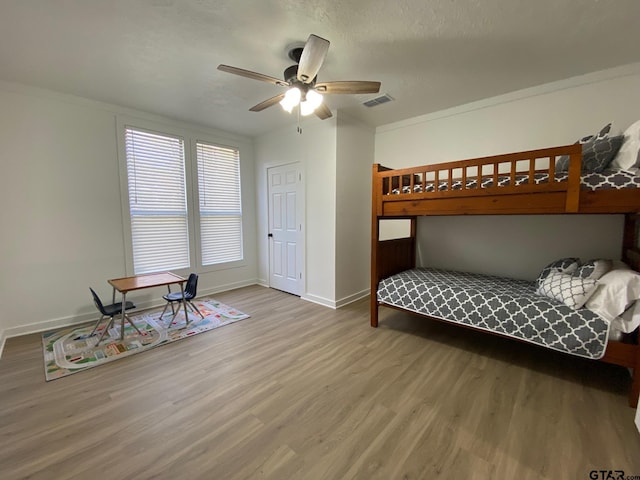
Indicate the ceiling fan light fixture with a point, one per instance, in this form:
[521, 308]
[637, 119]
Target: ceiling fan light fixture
[306, 109]
[313, 101]
[301, 79]
[291, 99]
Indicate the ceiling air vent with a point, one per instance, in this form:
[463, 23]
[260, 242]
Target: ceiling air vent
[378, 100]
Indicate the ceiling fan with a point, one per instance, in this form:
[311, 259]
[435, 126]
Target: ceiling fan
[301, 78]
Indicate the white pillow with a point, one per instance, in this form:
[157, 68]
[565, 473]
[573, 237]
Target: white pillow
[616, 291]
[570, 290]
[628, 157]
[619, 265]
[629, 320]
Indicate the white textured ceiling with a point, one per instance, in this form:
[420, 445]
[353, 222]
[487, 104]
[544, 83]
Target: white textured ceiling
[161, 56]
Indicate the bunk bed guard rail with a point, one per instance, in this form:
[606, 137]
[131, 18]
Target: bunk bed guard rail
[510, 178]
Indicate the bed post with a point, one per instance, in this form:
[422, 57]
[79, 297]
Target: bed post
[631, 256]
[376, 207]
[388, 256]
[634, 393]
[374, 273]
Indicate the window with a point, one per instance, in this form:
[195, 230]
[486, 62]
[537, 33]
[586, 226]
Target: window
[157, 201]
[220, 206]
[178, 223]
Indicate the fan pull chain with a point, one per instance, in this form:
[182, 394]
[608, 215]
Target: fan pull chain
[299, 128]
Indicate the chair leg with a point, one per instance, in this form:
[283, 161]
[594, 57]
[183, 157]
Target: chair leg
[126, 317]
[175, 314]
[191, 309]
[195, 308]
[105, 330]
[165, 309]
[187, 310]
[96, 327]
[187, 303]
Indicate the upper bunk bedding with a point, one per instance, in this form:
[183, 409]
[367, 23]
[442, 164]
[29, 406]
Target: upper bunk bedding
[605, 180]
[506, 306]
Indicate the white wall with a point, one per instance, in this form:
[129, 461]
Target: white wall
[516, 246]
[61, 219]
[353, 209]
[550, 115]
[315, 148]
[333, 153]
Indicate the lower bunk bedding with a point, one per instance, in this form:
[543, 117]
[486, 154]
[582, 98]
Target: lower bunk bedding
[506, 306]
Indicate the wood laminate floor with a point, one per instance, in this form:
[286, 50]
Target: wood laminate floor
[300, 391]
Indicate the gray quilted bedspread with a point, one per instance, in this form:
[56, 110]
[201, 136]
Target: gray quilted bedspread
[507, 306]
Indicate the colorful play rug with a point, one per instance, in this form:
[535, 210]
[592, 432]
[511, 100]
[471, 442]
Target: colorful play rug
[71, 349]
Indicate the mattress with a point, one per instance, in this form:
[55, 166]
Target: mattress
[502, 305]
[607, 180]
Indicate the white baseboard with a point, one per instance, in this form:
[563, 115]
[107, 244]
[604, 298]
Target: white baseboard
[227, 287]
[50, 325]
[2, 340]
[92, 317]
[319, 300]
[71, 320]
[337, 303]
[353, 298]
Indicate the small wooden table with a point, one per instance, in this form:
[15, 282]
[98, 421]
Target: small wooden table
[138, 282]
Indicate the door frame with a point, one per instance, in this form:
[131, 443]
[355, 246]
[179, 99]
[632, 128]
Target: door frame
[301, 204]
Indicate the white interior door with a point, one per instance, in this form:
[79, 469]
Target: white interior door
[285, 228]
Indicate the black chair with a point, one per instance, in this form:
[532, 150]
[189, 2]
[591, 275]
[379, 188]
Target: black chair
[110, 311]
[189, 294]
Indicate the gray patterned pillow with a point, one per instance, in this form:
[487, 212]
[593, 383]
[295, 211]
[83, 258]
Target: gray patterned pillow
[593, 269]
[572, 291]
[597, 154]
[566, 265]
[603, 133]
[563, 161]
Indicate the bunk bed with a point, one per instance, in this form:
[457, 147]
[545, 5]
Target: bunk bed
[531, 182]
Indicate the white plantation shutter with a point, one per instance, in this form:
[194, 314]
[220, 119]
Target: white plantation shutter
[157, 201]
[220, 204]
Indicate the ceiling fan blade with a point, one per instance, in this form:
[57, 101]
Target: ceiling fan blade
[311, 58]
[267, 103]
[323, 112]
[348, 87]
[253, 75]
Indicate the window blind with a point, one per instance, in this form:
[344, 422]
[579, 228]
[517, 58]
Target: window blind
[157, 201]
[220, 203]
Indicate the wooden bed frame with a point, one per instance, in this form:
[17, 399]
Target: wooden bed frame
[393, 256]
